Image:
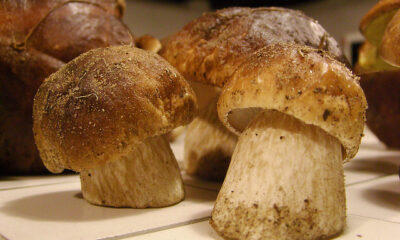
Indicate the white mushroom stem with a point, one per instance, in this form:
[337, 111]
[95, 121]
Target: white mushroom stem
[285, 181]
[208, 145]
[148, 176]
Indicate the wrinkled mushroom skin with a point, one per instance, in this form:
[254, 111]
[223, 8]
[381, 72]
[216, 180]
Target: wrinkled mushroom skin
[148, 176]
[285, 182]
[98, 114]
[31, 48]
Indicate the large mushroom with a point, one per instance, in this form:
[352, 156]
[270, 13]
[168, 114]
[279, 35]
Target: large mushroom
[300, 114]
[209, 49]
[36, 39]
[103, 115]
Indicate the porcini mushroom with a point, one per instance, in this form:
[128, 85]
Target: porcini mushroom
[300, 114]
[378, 66]
[36, 39]
[380, 28]
[103, 115]
[208, 145]
[210, 48]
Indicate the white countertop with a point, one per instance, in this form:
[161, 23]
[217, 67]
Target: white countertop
[51, 207]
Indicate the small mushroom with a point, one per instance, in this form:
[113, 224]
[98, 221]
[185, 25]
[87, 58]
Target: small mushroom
[149, 43]
[300, 114]
[103, 115]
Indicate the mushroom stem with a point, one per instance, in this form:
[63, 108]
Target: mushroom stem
[208, 145]
[148, 176]
[285, 181]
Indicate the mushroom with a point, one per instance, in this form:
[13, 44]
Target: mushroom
[378, 66]
[36, 39]
[210, 48]
[380, 27]
[300, 114]
[149, 43]
[103, 115]
[208, 145]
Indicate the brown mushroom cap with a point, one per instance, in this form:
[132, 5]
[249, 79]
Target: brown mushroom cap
[211, 47]
[32, 46]
[300, 81]
[97, 106]
[374, 22]
[389, 50]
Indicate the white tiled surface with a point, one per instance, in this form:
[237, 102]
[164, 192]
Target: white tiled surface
[51, 207]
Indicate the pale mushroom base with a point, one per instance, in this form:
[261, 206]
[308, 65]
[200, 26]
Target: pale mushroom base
[285, 181]
[208, 145]
[147, 177]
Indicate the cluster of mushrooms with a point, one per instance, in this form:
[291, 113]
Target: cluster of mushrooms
[279, 113]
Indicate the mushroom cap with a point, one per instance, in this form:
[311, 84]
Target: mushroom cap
[300, 81]
[369, 60]
[389, 50]
[374, 22]
[211, 47]
[96, 107]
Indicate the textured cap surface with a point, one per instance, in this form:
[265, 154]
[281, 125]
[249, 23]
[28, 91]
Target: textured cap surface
[211, 47]
[94, 108]
[300, 81]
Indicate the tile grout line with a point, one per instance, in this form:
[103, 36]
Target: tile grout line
[378, 219]
[32, 186]
[187, 184]
[157, 229]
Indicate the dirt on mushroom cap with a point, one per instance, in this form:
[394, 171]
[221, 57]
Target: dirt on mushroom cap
[96, 106]
[211, 47]
[303, 82]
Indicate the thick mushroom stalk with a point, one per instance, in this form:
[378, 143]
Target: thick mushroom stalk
[285, 181]
[208, 145]
[148, 176]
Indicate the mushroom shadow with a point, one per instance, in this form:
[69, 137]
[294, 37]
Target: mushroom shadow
[384, 165]
[199, 195]
[385, 195]
[8, 178]
[195, 182]
[64, 206]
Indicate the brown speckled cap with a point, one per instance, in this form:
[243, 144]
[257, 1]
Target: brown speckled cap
[302, 82]
[97, 106]
[211, 47]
